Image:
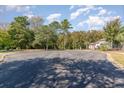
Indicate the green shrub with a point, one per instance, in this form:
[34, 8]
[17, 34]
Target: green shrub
[104, 47]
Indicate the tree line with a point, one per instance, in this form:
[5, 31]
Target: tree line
[25, 33]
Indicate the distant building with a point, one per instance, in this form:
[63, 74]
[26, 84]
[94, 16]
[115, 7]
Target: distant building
[92, 46]
[97, 44]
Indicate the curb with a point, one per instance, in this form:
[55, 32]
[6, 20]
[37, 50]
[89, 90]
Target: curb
[4, 55]
[2, 58]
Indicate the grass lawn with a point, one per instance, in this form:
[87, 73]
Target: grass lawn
[118, 57]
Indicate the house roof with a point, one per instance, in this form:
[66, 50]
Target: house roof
[101, 40]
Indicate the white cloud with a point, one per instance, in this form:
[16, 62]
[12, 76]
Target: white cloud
[95, 28]
[100, 8]
[117, 17]
[71, 7]
[110, 12]
[80, 11]
[95, 20]
[26, 10]
[11, 7]
[100, 22]
[18, 8]
[80, 6]
[109, 18]
[53, 17]
[80, 24]
[102, 12]
[76, 14]
[29, 14]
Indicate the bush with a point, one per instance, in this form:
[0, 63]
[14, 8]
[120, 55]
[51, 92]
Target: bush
[7, 48]
[104, 47]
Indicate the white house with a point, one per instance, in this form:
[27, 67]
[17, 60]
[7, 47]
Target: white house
[97, 44]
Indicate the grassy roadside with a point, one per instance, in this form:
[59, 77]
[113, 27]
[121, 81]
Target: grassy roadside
[3, 54]
[116, 57]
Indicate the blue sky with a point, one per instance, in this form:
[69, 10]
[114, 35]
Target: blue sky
[81, 17]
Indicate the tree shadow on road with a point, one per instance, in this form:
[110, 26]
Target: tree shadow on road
[60, 72]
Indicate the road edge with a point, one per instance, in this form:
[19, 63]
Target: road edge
[2, 58]
[110, 59]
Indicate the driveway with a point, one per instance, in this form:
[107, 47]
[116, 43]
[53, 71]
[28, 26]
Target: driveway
[38, 68]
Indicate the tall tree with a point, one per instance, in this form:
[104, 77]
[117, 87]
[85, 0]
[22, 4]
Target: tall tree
[20, 33]
[5, 40]
[78, 39]
[36, 22]
[112, 29]
[43, 38]
[120, 36]
[55, 28]
[65, 26]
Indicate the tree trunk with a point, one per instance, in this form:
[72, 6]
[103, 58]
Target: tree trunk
[46, 44]
[111, 44]
[80, 47]
[64, 43]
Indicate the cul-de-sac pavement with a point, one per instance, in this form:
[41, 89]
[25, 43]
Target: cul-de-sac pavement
[51, 69]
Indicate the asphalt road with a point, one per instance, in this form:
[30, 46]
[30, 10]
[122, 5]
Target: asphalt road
[59, 69]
